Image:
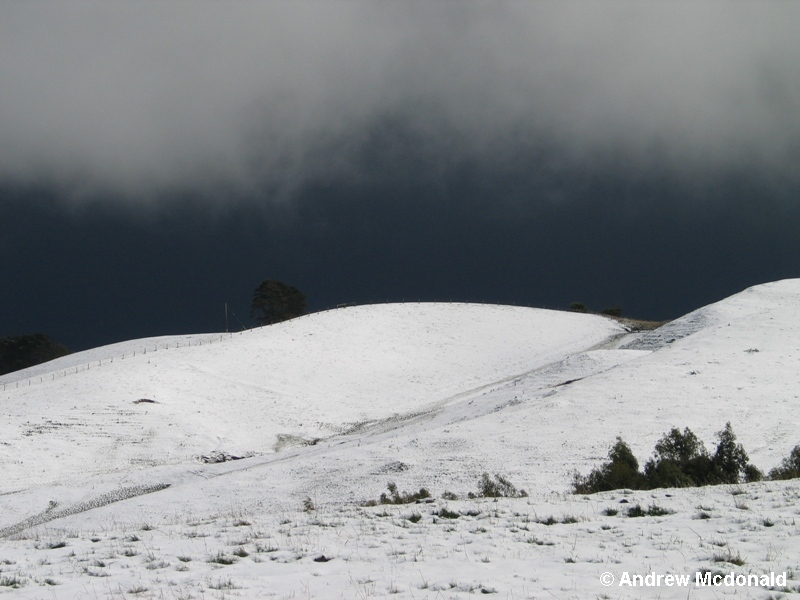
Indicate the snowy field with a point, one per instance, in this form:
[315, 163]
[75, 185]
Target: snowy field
[110, 487]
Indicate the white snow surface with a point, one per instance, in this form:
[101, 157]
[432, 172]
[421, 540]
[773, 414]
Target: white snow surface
[328, 408]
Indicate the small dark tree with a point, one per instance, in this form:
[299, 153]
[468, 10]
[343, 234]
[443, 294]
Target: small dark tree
[23, 351]
[579, 307]
[790, 466]
[680, 460]
[621, 472]
[275, 301]
[730, 461]
[499, 487]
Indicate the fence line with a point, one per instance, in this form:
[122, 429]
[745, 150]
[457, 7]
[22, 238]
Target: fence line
[94, 364]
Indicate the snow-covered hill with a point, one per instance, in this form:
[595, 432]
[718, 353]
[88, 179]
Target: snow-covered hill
[281, 385]
[330, 407]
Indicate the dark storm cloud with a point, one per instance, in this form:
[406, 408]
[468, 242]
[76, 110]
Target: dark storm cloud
[146, 100]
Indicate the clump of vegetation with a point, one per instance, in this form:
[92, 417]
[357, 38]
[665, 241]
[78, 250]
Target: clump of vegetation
[12, 582]
[622, 471]
[730, 463]
[23, 351]
[789, 468]
[397, 497]
[499, 487]
[652, 511]
[446, 513]
[53, 545]
[221, 559]
[729, 557]
[551, 520]
[579, 307]
[680, 460]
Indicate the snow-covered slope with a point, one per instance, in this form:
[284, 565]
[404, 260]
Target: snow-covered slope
[333, 406]
[258, 391]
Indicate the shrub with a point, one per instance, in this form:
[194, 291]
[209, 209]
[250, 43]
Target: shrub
[636, 511]
[499, 487]
[613, 312]
[579, 307]
[752, 473]
[680, 460]
[652, 511]
[446, 513]
[730, 460]
[622, 471]
[397, 497]
[20, 352]
[790, 466]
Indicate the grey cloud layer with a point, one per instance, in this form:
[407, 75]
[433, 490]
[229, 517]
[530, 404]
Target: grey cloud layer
[140, 99]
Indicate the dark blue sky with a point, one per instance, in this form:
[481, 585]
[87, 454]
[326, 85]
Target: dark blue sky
[160, 160]
[98, 274]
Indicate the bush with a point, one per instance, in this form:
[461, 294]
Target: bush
[680, 460]
[21, 352]
[446, 513]
[730, 460]
[579, 307]
[790, 466]
[613, 312]
[652, 511]
[397, 497]
[622, 471]
[499, 487]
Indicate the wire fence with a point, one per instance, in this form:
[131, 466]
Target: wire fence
[142, 350]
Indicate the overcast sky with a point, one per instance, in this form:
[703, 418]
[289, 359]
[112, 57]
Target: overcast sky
[160, 159]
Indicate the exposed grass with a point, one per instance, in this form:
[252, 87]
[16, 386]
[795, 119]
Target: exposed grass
[729, 557]
[225, 583]
[137, 589]
[221, 559]
[13, 581]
